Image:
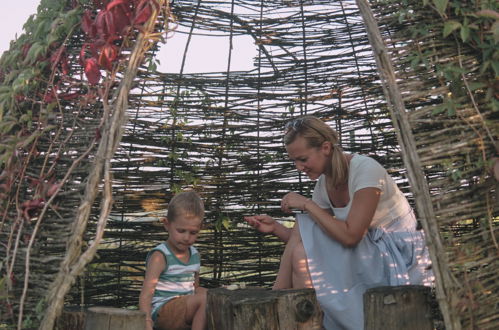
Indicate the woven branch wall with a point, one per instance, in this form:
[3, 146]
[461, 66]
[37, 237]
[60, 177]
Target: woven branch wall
[220, 133]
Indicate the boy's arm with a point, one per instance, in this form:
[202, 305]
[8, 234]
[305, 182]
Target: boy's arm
[196, 280]
[155, 265]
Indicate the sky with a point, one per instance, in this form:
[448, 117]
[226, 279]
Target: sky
[211, 52]
[13, 15]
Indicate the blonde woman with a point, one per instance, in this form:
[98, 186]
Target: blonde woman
[357, 231]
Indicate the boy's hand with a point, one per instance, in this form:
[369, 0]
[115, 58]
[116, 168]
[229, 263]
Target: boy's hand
[263, 223]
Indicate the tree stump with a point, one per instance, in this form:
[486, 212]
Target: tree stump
[71, 318]
[398, 307]
[263, 309]
[110, 318]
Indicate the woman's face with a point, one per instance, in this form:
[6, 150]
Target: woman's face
[313, 161]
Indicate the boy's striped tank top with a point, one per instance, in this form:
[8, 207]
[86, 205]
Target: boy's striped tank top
[176, 279]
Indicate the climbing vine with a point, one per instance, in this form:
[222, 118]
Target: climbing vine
[43, 79]
[469, 77]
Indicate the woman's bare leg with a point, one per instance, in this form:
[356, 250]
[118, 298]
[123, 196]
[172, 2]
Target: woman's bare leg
[300, 272]
[293, 270]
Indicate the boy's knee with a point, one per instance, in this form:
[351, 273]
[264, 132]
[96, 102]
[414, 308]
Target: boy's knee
[201, 291]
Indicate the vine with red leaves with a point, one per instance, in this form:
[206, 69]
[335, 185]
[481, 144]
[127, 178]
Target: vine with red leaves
[112, 24]
[41, 76]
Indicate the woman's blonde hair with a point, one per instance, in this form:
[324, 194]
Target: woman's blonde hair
[185, 202]
[316, 132]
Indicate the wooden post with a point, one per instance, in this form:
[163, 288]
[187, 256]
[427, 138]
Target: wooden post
[398, 307]
[71, 318]
[110, 318]
[261, 309]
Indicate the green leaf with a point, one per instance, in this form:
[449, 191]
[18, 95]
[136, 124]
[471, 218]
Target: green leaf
[495, 66]
[495, 31]
[465, 33]
[7, 125]
[441, 6]
[450, 26]
[485, 65]
[488, 13]
[34, 52]
[226, 223]
[29, 139]
[476, 85]
[438, 109]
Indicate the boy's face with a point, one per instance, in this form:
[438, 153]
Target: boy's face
[183, 232]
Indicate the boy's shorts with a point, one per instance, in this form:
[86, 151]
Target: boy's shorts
[172, 315]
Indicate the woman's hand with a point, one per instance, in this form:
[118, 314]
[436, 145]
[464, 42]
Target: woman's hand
[263, 223]
[292, 201]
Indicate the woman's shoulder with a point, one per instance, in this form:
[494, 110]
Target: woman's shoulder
[359, 161]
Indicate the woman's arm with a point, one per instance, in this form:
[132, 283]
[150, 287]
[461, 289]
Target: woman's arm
[267, 225]
[349, 232]
[155, 265]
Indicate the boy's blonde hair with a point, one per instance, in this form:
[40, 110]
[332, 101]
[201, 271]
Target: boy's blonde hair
[185, 202]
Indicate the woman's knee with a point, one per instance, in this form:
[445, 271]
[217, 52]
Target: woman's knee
[299, 257]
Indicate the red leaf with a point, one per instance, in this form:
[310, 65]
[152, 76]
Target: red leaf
[52, 189]
[69, 96]
[121, 18]
[50, 96]
[20, 97]
[29, 206]
[143, 12]
[115, 3]
[101, 22]
[93, 51]
[65, 65]
[92, 71]
[87, 24]
[107, 56]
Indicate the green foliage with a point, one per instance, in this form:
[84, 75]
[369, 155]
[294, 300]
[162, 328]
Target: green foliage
[25, 68]
[223, 222]
[472, 28]
[456, 44]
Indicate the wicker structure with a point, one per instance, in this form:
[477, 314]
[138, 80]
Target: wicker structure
[90, 162]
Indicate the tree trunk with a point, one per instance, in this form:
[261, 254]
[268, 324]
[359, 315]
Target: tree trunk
[398, 307]
[109, 318]
[257, 309]
[71, 318]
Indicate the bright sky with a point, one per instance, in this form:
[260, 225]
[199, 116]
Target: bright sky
[13, 15]
[205, 54]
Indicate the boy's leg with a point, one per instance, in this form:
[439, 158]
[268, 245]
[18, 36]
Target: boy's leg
[173, 315]
[196, 309]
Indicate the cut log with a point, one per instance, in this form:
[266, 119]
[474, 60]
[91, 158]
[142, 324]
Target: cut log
[405, 307]
[71, 318]
[110, 318]
[263, 309]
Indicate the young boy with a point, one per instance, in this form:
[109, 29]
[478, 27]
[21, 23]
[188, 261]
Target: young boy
[171, 296]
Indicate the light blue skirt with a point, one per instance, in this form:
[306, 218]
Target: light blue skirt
[394, 255]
